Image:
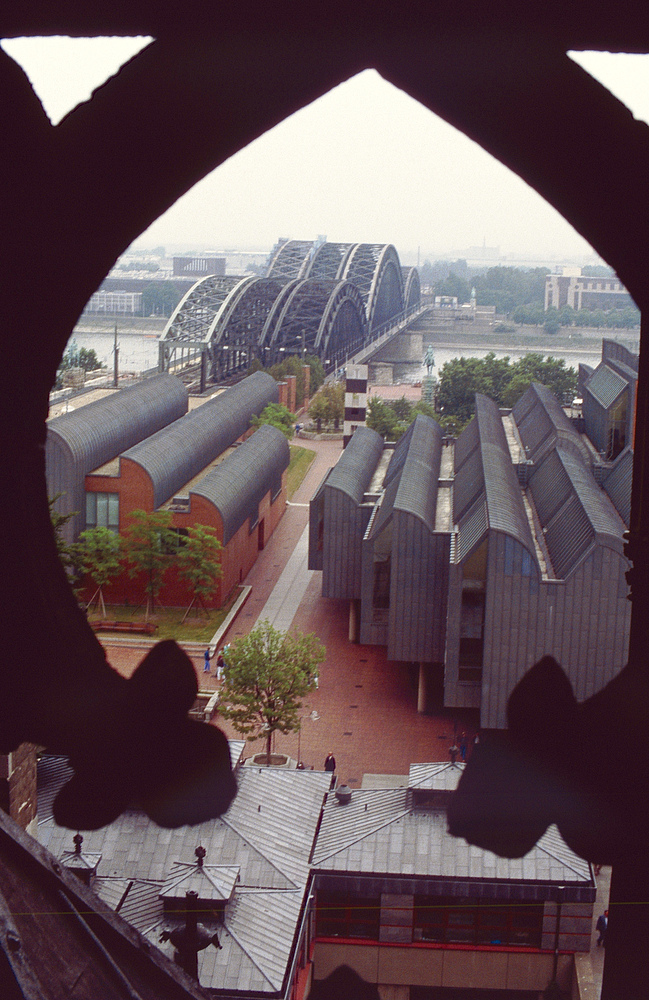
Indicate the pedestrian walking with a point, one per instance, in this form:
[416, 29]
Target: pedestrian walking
[220, 666]
[463, 746]
[206, 665]
[453, 752]
[330, 762]
[602, 926]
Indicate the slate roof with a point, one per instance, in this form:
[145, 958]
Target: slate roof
[486, 493]
[574, 512]
[379, 832]
[606, 385]
[179, 451]
[237, 485]
[354, 469]
[253, 839]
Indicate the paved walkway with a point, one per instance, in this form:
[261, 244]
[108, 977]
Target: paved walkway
[365, 708]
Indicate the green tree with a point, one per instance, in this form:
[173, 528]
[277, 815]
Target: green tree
[382, 418]
[454, 285]
[198, 562]
[149, 544]
[268, 673]
[402, 408]
[462, 378]
[66, 552]
[276, 415]
[99, 551]
[160, 298]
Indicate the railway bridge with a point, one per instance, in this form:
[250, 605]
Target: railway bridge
[331, 300]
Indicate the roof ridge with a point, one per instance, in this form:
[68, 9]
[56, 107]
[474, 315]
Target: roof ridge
[250, 843]
[369, 833]
[254, 962]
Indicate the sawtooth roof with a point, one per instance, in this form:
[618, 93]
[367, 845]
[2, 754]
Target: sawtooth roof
[542, 424]
[179, 451]
[574, 512]
[412, 477]
[486, 492]
[606, 385]
[618, 482]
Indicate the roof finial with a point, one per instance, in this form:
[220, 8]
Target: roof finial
[78, 841]
[200, 853]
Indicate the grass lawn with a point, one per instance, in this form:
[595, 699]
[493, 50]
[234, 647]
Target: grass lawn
[299, 465]
[198, 627]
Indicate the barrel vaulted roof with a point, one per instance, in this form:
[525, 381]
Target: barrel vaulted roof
[354, 469]
[93, 434]
[178, 452]
[237, 485]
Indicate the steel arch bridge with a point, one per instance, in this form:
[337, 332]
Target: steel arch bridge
[328, 299]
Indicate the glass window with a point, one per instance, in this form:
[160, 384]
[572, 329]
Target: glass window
[102, 510]
[462, 920]
[344, 914]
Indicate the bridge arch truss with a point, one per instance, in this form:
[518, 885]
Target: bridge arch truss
[328, 299]
[326, 318]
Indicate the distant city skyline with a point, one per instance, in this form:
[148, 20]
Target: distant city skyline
[363, 163]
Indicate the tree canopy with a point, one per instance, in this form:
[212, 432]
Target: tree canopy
[276, 415]
[99, 550]
[504, 381]
[198, 560]
[328, 405]
[267, 675]
[149, 542]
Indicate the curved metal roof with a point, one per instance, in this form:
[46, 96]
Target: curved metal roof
[487, 474]
[419, 479]
[542, 424]
[95, 433]
[573, 510]
[354, 469]
[240, 482]
[178, 452]
[412, 478]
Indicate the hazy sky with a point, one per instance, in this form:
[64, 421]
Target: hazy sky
[364, 163]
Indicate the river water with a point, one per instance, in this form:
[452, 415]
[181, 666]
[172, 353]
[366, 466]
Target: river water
[138, 352]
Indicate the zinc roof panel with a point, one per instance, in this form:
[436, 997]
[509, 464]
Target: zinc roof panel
[179, 451]
[606, 385]
[354, 469]
[237, 485]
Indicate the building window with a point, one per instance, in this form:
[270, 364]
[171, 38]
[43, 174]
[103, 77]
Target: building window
[102, 510]
[344, 914]
[462, 920]
[381, 591]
